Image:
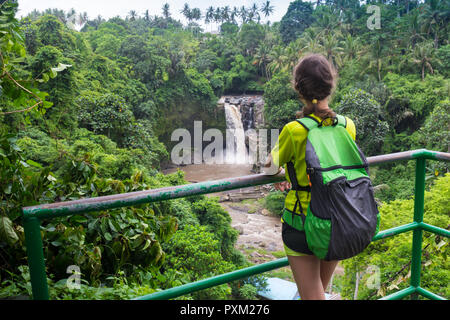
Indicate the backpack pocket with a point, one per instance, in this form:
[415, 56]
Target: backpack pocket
[353, 217]
[318, 234]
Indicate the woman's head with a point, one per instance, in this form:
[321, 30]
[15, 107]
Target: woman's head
[315, 80]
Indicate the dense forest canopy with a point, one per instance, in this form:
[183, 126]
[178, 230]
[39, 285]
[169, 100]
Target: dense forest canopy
[90, 112]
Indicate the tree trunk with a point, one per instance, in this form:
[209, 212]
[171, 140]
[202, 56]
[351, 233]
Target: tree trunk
[379, 70]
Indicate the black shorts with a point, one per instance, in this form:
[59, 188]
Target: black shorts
[295, 239]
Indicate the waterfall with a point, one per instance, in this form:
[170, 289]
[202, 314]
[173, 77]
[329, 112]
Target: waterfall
[244, 115]
[235, 137]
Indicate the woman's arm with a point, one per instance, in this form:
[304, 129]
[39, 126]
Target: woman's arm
[285, 185]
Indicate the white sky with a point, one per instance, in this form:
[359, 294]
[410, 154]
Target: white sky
[110, 8]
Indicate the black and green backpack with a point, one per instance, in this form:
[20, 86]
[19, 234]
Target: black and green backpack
[342, 216]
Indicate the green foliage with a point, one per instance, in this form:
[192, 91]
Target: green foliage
[281, 101]
[409, 93]
[392, 256]
[274, 202]
[435, 133]
[250, 36]
[297, 18]
[195, 251]
[365, 112]
[217, 220]
[90, 109]
[51, 33]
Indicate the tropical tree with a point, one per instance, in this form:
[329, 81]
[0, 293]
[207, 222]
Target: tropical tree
[226, 13]
[209, 15]
[309, 40]
[82, 18]
[218, 17]
[376, 57]
[351, 48]
[254, 13]
[243, 14]
[267, 8]
[234, 13]
[298, 17]
[262, 59]
[413, 34]
[133, 15]
[423, 56]
[331, 49]
[278, 59]
[187, 12]
[166, 10]
[147, 15]
[326, 19]
[196, 14]
[435, 17]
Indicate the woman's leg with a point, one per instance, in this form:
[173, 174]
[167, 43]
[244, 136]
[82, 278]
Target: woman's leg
[326, 271]
[307, 275]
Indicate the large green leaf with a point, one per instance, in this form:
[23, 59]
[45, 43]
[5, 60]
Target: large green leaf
[7, 232]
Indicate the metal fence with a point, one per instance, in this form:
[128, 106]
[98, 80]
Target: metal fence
[33, 216]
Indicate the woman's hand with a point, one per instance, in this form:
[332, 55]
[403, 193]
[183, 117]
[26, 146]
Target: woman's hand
[285, 185]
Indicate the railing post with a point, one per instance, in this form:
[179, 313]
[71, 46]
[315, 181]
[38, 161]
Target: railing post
[419, 195]
[35, 253]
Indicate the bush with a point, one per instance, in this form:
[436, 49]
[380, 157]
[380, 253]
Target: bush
[274, 202]
[196, 252]
[365, 112]
[392, 256]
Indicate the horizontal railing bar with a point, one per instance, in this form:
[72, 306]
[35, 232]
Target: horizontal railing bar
[215, 281]
[400, 294]
[409, 155]
[53, 210]
[134, 198]
[434, 229]
[396, 230]
[428, 294]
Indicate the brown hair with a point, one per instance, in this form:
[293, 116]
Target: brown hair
[315, 80]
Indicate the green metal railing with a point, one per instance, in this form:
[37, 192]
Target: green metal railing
[33, 216]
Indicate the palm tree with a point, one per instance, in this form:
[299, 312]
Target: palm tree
[434, 17]
[267, 9]
[166, 12]
[209, 16]
[423, 55]
[278, 59]
[262, 59]
[83, 18]
[226, 13]
[234, 14]
[376, 57]
[327, 20]
[351, 48]
[309, 40]
[292, 53]
[187, 12]
[71, 13]
[196, 14]
[331, 49]
[254, 10]
[243, 14]
[147, 15]
[413, 34]
[132, 14]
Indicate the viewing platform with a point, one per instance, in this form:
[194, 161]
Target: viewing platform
[32, 217]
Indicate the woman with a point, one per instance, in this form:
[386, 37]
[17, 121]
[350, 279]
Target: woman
[314, 81]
